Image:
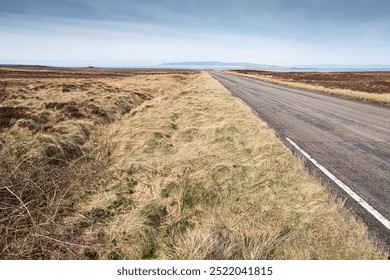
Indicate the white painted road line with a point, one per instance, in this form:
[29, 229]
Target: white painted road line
[350, 192]
[381, 127]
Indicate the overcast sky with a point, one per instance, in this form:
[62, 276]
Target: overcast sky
[147, 32]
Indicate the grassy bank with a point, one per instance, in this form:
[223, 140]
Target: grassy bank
[372, 87]
[199, 177]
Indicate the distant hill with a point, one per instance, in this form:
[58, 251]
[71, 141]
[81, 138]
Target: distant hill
[210, 63]
[220, 65]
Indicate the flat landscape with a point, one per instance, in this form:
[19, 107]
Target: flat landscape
[157, 164]
[364, 86]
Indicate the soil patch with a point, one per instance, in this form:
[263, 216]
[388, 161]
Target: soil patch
[9, 115]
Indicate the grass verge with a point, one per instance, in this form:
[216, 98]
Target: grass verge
[195, 175]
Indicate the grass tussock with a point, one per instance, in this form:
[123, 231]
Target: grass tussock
[197, 176]
[367, 87]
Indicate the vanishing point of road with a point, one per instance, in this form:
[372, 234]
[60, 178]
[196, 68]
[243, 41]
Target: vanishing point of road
[346, 142]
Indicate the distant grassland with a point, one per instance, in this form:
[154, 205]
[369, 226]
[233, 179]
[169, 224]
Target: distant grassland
[373, 87]
[168, 166]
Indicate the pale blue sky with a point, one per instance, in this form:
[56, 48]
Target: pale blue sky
[134, 32]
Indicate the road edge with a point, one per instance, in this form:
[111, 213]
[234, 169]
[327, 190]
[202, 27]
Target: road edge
[376, 230]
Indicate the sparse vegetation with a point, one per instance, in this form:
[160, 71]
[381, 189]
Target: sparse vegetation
[175, 168]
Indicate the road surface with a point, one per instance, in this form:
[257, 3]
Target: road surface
[348, 139]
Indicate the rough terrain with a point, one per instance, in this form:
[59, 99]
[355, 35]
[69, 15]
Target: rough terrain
[115, 164]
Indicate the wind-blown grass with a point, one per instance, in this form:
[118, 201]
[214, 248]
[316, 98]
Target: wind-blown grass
[48, 123]
[168, 166]
[208, 180]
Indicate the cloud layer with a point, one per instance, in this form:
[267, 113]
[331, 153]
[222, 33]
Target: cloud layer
[126, 33]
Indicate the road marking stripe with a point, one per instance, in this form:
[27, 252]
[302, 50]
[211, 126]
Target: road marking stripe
[350, 192]
[381, 127]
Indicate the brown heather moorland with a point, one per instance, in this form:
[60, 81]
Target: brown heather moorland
[136, 164]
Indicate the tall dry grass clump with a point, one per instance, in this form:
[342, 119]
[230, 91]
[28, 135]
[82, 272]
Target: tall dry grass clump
[198, 176]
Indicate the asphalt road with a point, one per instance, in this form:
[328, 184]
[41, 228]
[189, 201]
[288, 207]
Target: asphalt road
[350, 139]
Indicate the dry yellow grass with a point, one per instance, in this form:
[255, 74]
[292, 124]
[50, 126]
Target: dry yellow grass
[378, 98]
[198, 176]
[178, 170]
[49, 120]
[61, 112]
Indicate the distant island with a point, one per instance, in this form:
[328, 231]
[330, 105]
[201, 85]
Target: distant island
[211, 63]
[221, 65]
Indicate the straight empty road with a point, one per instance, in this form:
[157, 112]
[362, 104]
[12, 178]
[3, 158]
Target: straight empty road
[349, 139]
